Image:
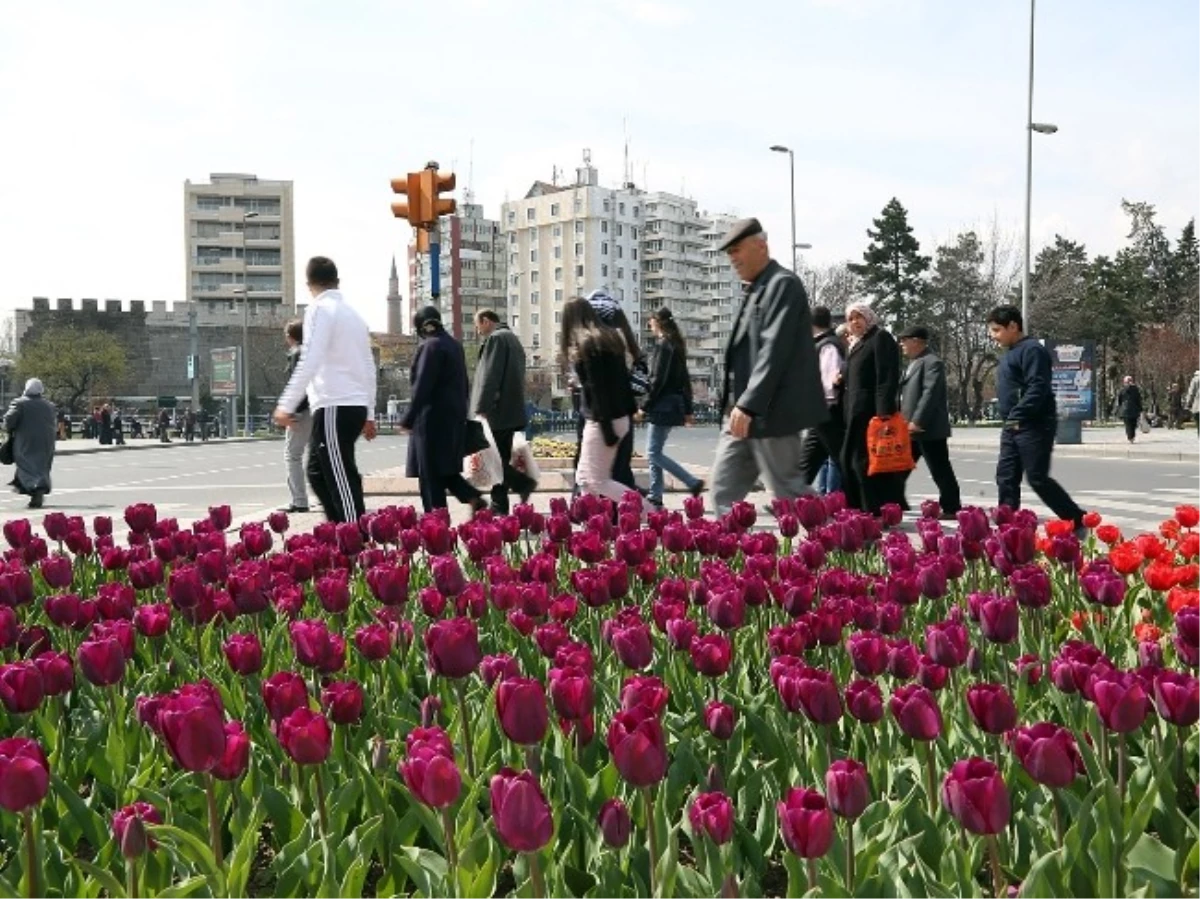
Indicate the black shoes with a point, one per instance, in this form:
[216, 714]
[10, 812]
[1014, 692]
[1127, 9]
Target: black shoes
[698, 488]
[35, 499]
[295, 510]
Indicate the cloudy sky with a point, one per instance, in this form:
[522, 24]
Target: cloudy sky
[105, 109]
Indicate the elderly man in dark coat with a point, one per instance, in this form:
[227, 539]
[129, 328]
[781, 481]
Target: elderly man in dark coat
[498, 397]
[30, 423]
[772, 388]
[437, 415]
[925, 405]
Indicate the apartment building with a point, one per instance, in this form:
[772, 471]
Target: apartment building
[472, 262]
[562, 242]
[238, 238]
[723, 290]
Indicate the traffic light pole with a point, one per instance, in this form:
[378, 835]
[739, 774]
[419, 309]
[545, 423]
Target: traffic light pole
[435, 265]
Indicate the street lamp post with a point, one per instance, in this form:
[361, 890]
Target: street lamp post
[246, 327]
[812, 295]
[779, 148]
[1030, 127]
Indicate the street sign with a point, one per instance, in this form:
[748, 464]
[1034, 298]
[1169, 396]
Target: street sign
[1073, 378]
[167, 402]
[224, 371]
[191, 367]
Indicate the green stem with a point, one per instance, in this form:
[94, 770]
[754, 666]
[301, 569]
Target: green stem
[322, 814]
[932, 785]
[850, 857]
[651, 835]
[131, 878]
[535, 876]
[812, 874]
[998, 887]
[451, 851]
[1058, 824]
[31, 861]
[214, 820]
[461, 689]
[1122, 759]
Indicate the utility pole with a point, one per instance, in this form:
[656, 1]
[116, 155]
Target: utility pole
[194, 352]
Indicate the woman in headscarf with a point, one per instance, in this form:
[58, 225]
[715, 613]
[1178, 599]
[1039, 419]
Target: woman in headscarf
[872, 389]
[437, 416]
[30, 423]
[611, 315]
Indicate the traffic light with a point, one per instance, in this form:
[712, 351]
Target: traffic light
[424, 206]
[433, 185]
[410, 186]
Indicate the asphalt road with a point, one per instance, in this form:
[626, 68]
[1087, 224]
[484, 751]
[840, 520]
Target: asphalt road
[185, 480]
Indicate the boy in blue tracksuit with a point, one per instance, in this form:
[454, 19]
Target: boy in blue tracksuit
[1030, 419]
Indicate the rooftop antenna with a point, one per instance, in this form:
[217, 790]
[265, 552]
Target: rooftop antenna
[645, 180]
[469, 193]
[628, 173]
[554, 175]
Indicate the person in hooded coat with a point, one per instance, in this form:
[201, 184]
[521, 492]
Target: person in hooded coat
[30, 423]
[437, 415]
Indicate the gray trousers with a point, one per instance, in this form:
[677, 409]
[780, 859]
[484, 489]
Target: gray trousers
[739, 463]
[295, 439]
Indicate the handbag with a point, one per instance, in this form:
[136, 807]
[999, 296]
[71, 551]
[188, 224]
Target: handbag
[476, 438]
[6, 451]
[889, 446]
[1144, 423]
[639, 377]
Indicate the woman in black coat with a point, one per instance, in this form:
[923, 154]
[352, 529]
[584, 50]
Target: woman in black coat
[872, 389]
[1129, 407]
[437, 416]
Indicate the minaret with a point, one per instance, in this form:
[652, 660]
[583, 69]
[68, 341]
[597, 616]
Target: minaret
[393, 301]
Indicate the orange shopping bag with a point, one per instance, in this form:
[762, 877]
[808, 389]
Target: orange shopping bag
[889, 446]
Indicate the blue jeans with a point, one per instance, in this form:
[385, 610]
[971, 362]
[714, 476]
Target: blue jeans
[829, 479]
[656, 439]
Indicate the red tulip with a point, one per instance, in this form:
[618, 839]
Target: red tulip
[711, 814]
[645, 691]
[430, 773]
[521, 707]
[389, 584]
[712, 654]
[314, 645]
[815, 691]
[947, 642]
[56, 570]
[305, 736]
[992, 708]
[152, 621]
[847, 789]
[244, 654]
[333, 591]
[868, 653]
[220, 516]
[1048, 754]
[129, 832]
[1120, 698]
[1177, 697]
[185, 587]
[916, 711]
[571, 691]
[102, 661]
[975, 794]
[520, 812]
[58, 672]
[62, 609]
[615, 823]
[24, 774]
[498, 668]
[719, 718]
[343, 701]
[453, 647]
[638, 746]
[283, 693]
[21, 687]
[999, 619]
[633, 646]
[193, 729]
[805, 822]
[236, 759]
[864, 701]
[374, 642]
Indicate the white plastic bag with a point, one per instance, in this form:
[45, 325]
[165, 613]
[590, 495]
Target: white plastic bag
[522, 457]
[1144, 423]
[484, 468]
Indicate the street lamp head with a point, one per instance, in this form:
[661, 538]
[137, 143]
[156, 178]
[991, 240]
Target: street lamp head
[803, 246]
[1043, 127]
[779, 148]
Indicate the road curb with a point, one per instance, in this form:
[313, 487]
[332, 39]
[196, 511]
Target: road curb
[1097, 451]
[61, 451]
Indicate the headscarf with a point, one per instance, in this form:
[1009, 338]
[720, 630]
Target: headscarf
[864, 309]
[34, 387]
[426, 316]
[1128, 379]
[605, 307]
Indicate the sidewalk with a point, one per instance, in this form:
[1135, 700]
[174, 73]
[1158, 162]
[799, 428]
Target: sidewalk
[1105, 443]
[80, 447]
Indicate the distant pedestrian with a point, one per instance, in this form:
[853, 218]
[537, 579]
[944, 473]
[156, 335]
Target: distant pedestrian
[164, 425]
[598, 357]
[189, 425]
[925, 405]
[667, 405]
[30, 423]
[498, 397]
[611, 315]
[1175, 405]
[872, 390]
[1191, 401]
[823, 444]
[106, 437]
[437, 416]
[297, 434]
[336, 372]
[118, 426]
[202, 420]
[772, 387]
[1027, 409]
[1129, 406]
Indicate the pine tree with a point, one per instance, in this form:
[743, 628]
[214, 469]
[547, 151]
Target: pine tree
[1186, 269]
[892, 266]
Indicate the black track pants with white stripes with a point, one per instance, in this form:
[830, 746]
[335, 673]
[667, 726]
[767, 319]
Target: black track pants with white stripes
[332, 471]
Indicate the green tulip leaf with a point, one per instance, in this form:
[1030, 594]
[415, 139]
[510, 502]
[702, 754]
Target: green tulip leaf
[102, 876]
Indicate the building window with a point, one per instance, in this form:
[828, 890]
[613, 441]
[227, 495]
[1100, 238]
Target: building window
[558, 274]
[604, 227]
[533, 276]
[635, 215]
[579, 271]
[530, 214]
[554, 209]
[604, 248]
[557, 231]
[620, 229]
[579, 204]
[512, 258]
[578, 227]
[516, 320]
[533, 255]
[620, 293]
[512, 237]
[534, 319]
[513, 300]
[533, 299]
[557, 252]
[512, 218]
[633, 231]
[635, 254]
[558, 318]
[620, 252]
[607, 204]
[621, 208]
[620, 273]
[604, 270]
[578, 249]
[557, 299]
[537, 342]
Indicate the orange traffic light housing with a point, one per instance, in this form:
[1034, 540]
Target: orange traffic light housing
[410, 186]
[448, 205]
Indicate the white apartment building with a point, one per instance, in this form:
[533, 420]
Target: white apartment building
[472, 264]
[238, 237]
[723, 289]
[563, 242]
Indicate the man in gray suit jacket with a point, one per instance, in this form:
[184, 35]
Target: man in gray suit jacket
[772, 389]
[925, 405]
[498, 396]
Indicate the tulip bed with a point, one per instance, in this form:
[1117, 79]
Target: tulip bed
[599, 702]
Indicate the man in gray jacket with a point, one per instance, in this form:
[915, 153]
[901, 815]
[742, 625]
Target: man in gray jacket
[925, 405]
[498, 397]
[772, 389]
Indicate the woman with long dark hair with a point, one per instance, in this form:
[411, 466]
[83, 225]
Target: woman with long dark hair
[597, 356]
[611, 315]
[668, 404]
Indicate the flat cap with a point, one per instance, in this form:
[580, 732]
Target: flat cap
[918, 332]
[741, 229]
